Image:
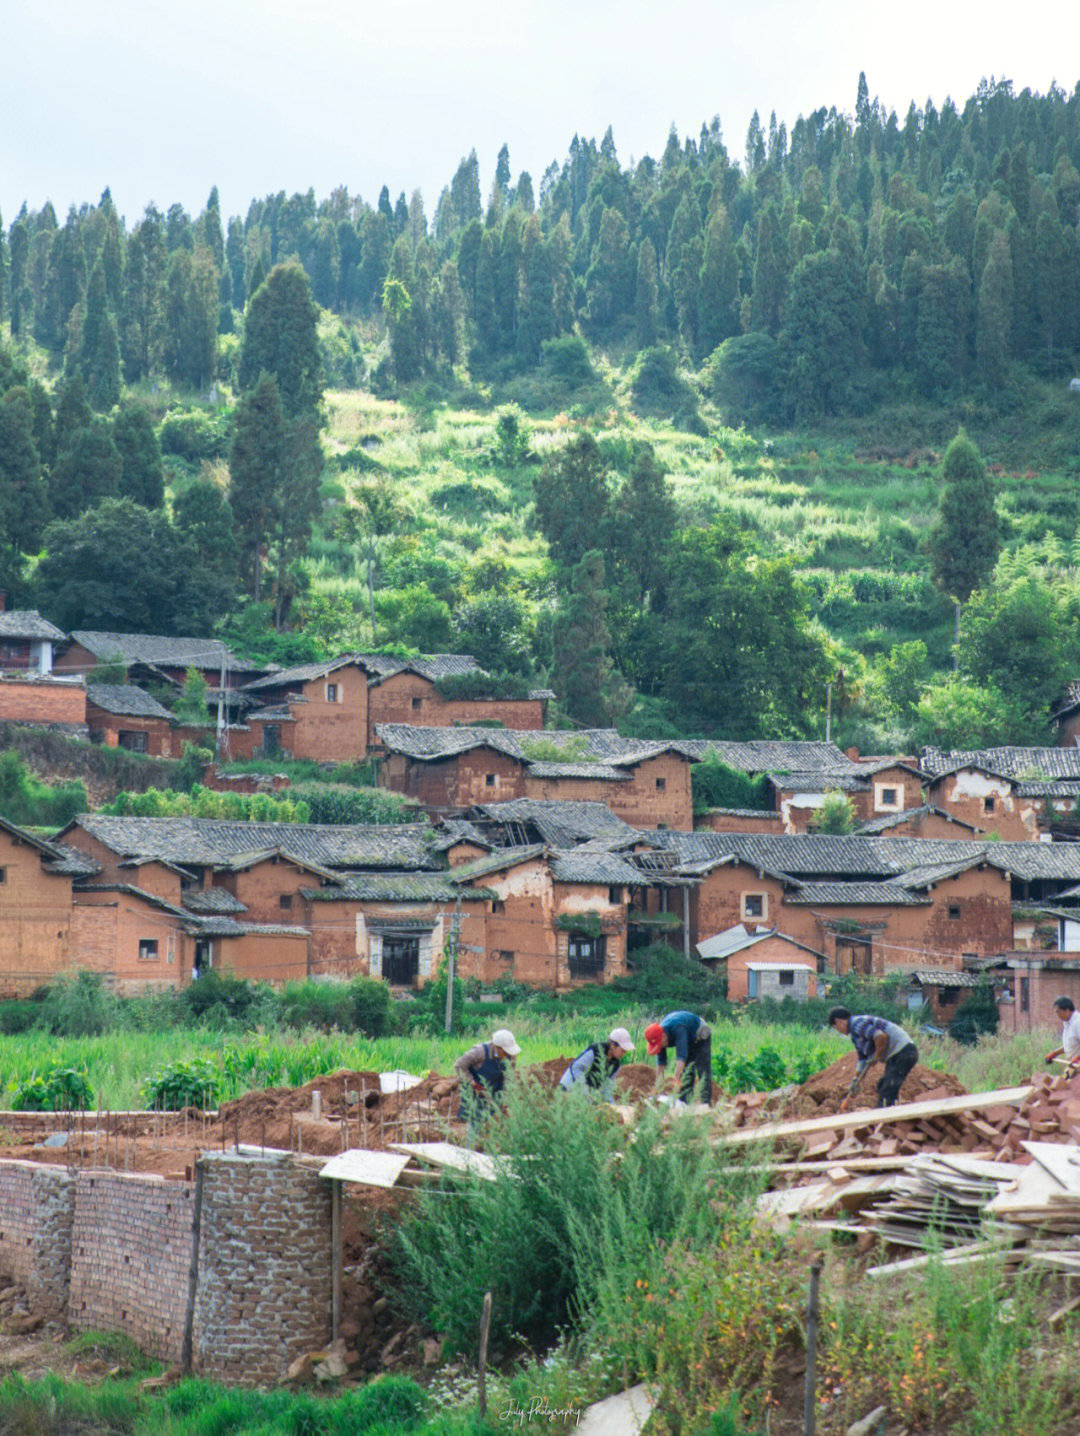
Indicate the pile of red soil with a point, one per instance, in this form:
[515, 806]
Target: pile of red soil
[822, 1094]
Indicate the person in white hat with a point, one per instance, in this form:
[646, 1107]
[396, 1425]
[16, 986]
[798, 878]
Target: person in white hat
[598, 1065]
[482, 1072]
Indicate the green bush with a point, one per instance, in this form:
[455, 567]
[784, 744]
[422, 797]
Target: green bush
[978, 1015]
[339, 803]
[463, 687]
[567, 360]
[58, 1089]
[362, 1005]
[716, 785]
[192, 1083]
[203, 802]
[26, 800]
[18, 1017]
[78, 1006]
[195, 436]
[234, 994]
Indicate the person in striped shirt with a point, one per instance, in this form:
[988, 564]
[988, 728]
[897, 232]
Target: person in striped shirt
[876, 1040]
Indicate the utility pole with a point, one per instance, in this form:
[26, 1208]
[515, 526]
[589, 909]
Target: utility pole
[828, 712]
[221, 709]
[451, 959]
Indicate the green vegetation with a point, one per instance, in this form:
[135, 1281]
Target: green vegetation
[715, 785]
[25, 800]
[209, 803]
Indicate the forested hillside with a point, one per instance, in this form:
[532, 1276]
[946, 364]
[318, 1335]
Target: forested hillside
[670, 435]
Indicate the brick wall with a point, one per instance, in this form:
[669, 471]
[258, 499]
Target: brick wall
[130, 1258]
[28, 700]
[264, 1267]
[36, 1207]
[410, 698]
[35, 919]
[113, 1250]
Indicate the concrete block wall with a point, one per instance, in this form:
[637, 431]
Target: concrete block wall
[264, 1289]
[36, 1207]
[130, 1258]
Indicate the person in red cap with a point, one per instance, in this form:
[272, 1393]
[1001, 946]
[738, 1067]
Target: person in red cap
[691, 1038]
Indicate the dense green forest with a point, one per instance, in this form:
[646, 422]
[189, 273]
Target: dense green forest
[680, 438]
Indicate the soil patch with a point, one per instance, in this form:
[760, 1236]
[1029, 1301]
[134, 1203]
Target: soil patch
[822, 1094]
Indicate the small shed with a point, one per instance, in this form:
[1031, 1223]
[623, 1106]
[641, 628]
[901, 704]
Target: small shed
[939, 991]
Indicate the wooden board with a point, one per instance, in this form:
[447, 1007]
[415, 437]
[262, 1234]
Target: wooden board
[1060, 1161]
[461, 1159]
[876, 1116]
[365, 1167]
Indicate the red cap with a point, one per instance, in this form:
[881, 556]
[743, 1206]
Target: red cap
[656, 1038]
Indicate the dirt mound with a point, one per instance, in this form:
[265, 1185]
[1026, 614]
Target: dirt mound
[822, 1094]
[636, 1081]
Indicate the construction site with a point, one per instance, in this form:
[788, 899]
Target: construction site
[243, 1244]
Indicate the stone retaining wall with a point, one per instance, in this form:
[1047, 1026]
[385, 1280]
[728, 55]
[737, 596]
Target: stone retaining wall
[36, 1208]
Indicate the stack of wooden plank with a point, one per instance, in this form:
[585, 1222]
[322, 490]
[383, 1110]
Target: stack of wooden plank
[943, 1193]
[1044, 1195]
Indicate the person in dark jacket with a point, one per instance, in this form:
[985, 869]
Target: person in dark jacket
[691, 1038]
[597, 1066]
[876, 1040]
[482, 1073]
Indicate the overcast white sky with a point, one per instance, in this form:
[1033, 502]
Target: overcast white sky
[161, 99]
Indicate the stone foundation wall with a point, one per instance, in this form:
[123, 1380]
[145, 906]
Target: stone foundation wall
[264, 1287]
[36, 1208]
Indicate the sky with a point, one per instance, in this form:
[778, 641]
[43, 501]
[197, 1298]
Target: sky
[161, 99]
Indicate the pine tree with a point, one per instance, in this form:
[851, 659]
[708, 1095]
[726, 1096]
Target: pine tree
[24, 498]
[590, 687]
[280, 338]
[966, 538]
[256, 473]
[646, 296]
[88, 470]
[142, 477]
[994, 313]
[99, 352]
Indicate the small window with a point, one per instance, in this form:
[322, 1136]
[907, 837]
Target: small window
[505, 956]
[954, 910]
[148, 949]
[787, 979]
[3, 875]
[888, 795]
[417, 704]
[285, 900]
[497, 905]
[661, 783]
[988, 805]
[134, 742]
[947, 996]
[615, 896]
[586, 955]
[331, 693]
[489, 780]
[1025, 994]
[753, 905]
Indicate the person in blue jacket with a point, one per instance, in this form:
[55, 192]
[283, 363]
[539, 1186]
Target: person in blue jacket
[691, 1038]
[482, 1073]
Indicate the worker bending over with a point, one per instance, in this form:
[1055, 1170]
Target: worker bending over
[876, 1040]
[596, 1067]
[691, 1038]
[482, 1073]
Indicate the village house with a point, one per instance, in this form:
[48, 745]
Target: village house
[35, 910]
[801, 776]
[27, 641]
[1025, 986]
[1066, 714]
[120, 715]
[449, 771]
[150, 658]
[762, 963]
[1011, 791]
[49, 702]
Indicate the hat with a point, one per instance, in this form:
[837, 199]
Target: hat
[656, 1038]
[621, 1038]
[504, 1038]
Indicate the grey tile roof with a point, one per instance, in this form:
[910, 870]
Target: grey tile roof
[944, 977]
[167, 652]
[395, 887]
[1007, 762]
[878, 826]
[276, 713]
[229, 927]
[212, 900]
[589, 864]
[431, 666]
[28, 623]
[928, 873]
[459, 830]
[71, 862]
[584, 748]
[125, 699]
[766, 756]
[600, 771]
[206, 842]
[559, 822]
[1069, 700]
[495, 862]
[304, 673]
[856, 894]
[821, 780]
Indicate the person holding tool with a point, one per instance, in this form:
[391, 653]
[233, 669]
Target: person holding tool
[482, 1073]
[876, 1040]
[1070, 1033]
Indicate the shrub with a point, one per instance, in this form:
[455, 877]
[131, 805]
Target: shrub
[976, 1016]
[716, 785]
[195, 436]
[18, 1017]
[362, 1005]
[58, 1089]
[567, 360]
[462, 687]
[78, 1006]
[26, 800]
[234, 994]
[338, 803]
[192, 1083]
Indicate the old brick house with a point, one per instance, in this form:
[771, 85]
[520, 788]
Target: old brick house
[762, 962]
[646, 784]
[120, 715]
[27, 641]
[50, 702]
[35, 910]
[151, 658]
[1011, 791]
